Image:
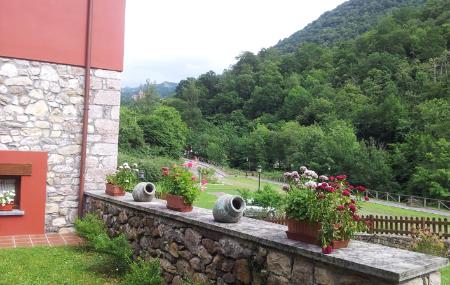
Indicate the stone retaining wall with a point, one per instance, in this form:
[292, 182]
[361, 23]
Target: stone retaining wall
[41, 109]
[193, 246]
[402, 242]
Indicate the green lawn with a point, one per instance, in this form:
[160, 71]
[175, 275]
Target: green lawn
[232, 183]
[52, 265]
[445, 275]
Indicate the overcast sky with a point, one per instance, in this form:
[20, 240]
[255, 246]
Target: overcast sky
[169, 40]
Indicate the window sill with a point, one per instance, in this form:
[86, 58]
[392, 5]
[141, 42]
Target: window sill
[14, 212]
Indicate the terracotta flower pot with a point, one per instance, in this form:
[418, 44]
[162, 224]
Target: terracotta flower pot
[340, 244]
[177, 203]
[303, 230]
[114, 190]
[7, 207]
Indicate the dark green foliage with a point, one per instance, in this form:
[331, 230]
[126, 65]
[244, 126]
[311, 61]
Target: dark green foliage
[120, 253]
[163, 129]
[144, 273]
[346, 22]
[362, 92]
[118, 248]
[267, 198]
[131, 135]
[89, 227]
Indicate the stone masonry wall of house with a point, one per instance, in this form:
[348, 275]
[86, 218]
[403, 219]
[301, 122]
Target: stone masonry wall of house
[191, 246]
[41, 109]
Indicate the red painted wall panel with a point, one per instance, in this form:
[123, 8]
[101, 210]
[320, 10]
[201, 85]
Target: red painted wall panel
[32, 195]
[55, 31]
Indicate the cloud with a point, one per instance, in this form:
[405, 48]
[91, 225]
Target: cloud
[174, 39]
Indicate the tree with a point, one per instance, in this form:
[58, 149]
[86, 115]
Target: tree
[164, 131]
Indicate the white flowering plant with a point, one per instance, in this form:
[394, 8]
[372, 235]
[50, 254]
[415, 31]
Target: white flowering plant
[7, 197]
[329, 201]
[125, 177]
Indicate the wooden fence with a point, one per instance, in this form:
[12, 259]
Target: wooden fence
[395, 225]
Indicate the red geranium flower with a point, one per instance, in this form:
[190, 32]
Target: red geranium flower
[356, 218]
[366, 198]
[327, 249]
[330, 189]
[352, 207]
[331, 178]
[340, 208]
[165, 171]
[341, 177]
[361, 188]
[346, 192]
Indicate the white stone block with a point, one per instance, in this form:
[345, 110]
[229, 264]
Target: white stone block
[8, 70]
[49, 73]
[21, 80]
[107, 97]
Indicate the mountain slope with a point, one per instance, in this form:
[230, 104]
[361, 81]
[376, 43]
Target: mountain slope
[164, 89]
[345, 22]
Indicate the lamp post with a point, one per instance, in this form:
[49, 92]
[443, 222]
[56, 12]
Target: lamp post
[259, 169]
[141, 174]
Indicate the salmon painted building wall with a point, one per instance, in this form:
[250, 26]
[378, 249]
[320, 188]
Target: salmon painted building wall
[42, 75]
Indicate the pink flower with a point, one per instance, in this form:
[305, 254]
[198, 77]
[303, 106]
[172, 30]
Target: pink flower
[331, 178]
[194, 178]
[361, 188]
[346, 192]
[366, 198]
[204, 181]
[188, 164]
[340, 208]
[294, 174]
[165, 171]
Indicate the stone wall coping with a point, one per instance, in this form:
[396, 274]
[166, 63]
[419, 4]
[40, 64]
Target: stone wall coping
[391, 264]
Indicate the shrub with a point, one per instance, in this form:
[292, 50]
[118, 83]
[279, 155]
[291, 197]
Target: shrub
[267, 198]
[208, 174]
[425, 241]
[120, 252]
[143, 273]
[247, 195]
[151, 165]
[94, 230]
[89, 227]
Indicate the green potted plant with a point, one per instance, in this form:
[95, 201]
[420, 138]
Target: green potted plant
[122, 180]
[181, 188]
[7, 200]
[322, 210]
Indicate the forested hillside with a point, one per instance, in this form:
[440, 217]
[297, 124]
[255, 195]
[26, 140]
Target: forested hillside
[346, 22]
[376, 108]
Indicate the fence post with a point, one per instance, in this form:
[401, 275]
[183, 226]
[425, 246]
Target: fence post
[424, 202]
[399, 200]
[376, 195]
